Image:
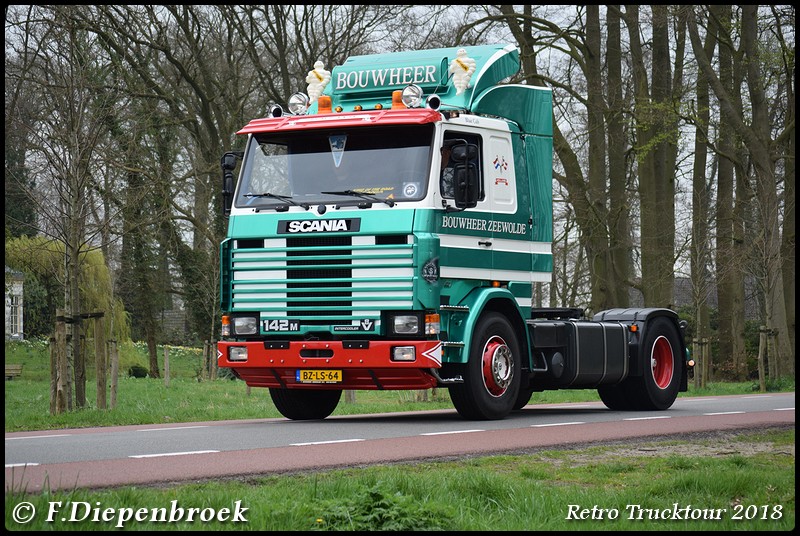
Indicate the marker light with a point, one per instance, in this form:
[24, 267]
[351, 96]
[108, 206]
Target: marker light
[324, 104]
[299, 103]
[226, 326]
[397, 100]
[432, 324]
[412, 96]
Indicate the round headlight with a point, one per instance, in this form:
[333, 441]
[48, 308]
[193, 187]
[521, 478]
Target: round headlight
[412, 96]
[299, 103]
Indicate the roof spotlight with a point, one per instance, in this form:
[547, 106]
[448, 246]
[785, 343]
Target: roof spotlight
[299, 103]
[412, 96]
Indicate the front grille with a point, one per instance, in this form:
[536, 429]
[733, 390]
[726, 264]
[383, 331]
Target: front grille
[324, 270]
[322, 280]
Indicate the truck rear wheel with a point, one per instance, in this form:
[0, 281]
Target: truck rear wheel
[662, 367]
[305, 404]
[492, 373]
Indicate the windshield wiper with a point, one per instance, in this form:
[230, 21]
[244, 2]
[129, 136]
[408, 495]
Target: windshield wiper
[282, 198]
[362, 196]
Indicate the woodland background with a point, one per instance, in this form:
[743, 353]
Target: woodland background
[674, 153]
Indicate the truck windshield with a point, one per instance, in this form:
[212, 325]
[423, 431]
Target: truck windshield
[346, 167]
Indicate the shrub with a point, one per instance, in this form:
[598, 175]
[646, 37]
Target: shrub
[138, 371]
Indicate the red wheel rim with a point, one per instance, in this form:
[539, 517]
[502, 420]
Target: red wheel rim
[661, 362]
[498, 367]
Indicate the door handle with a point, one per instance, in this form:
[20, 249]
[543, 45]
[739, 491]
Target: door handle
[486, 243]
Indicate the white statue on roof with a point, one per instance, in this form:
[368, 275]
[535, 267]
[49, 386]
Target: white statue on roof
[317, 79]
[461, 68]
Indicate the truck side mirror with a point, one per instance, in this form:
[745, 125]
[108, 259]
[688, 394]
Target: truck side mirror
[467, 189]
[228, 164]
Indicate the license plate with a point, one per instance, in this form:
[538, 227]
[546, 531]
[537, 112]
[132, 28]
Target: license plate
[319, 376]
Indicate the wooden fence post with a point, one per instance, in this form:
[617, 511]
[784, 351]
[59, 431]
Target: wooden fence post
[114, 372]
[762, 349]
[212, 360]
[62, 372]
[100, 359]
[53, 374]
[166, 366]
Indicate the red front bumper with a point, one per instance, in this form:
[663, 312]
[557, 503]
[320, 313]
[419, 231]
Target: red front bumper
[362, 368]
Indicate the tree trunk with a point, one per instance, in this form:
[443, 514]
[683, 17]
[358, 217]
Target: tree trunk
[701, 201]
[656, 179]
[619, 213]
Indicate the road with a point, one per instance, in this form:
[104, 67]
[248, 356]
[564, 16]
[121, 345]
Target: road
[192, 452]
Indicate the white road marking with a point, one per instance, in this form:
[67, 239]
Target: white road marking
[724, 413]
[26, 464]
[326, 442]
[557, 424]
[36, 437]
[173, 454]
[647, 418]
[171, 428]
[452, 432]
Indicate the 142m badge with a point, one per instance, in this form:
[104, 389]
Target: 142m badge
[280, 325]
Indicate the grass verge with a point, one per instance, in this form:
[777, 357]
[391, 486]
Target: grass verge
[728, 481]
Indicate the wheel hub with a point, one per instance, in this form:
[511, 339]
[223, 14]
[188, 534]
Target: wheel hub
[498, 368]
[662, 363]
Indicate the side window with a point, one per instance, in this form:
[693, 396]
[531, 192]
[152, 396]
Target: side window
[446, 180]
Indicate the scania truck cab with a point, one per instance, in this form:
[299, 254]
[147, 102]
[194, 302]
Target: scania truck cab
[385, 232]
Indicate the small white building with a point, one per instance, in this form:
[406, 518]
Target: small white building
[14, 304]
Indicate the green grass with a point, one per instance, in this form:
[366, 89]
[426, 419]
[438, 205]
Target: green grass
[187, 399]
[541, 491]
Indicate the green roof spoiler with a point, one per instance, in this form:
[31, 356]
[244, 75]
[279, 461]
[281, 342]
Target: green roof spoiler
[465, 78]
[456, 75]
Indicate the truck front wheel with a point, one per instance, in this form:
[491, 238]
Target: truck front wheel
[305, 404]
[492, 373]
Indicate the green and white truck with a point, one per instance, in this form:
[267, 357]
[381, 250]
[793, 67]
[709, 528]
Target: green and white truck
[385, 232]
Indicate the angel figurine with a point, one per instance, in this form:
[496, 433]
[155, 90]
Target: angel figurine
[461, 68]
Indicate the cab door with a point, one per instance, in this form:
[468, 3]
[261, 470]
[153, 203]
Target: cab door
[508, 204]
[465, 236]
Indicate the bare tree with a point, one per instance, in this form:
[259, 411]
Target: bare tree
[69, 80]
[656, 139]
[763, 151]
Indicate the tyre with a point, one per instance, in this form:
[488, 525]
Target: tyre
[523, 398]
[662, 367]
[492, 373]
[613, 396]
[305, 404]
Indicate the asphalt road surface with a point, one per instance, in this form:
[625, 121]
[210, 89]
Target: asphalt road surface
[192, 452]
